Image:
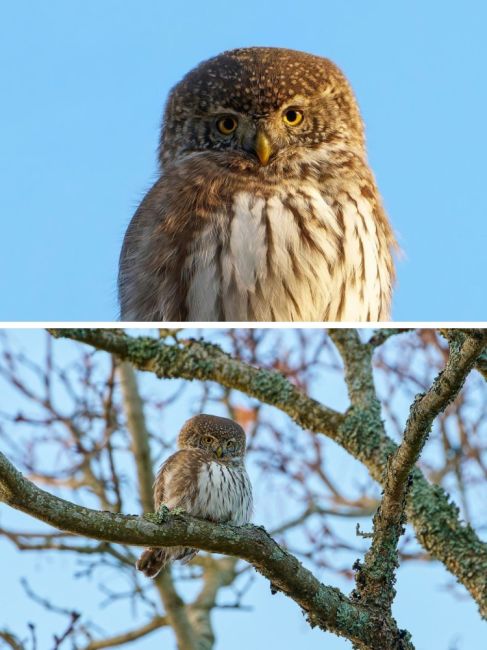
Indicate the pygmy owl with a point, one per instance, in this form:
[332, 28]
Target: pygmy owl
[266, 208]
[206, 478]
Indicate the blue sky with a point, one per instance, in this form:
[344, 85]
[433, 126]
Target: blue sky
[83, 86]
[425, 603]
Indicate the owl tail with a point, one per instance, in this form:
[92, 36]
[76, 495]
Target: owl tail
[153, 560]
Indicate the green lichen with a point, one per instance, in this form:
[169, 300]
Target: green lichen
[159, 517]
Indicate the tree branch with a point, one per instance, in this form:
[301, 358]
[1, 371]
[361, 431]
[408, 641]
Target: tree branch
[132, 635]
[325, 606]
[217, 574]
[191, 359]
[375, 579]
[134, 413]
[12, 640]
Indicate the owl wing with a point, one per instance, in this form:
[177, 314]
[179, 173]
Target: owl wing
[149, 266]
[177, 480]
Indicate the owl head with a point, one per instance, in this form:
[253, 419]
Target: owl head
[257, 108]
[221, 437]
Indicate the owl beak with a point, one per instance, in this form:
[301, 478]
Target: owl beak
[263, 148]
[219, 452]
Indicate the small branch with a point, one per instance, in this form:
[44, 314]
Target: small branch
[11, 640]
[380, 336]
[313, 509]
[132, 635]
[59, 640]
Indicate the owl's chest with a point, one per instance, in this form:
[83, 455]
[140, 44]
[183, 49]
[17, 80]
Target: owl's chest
[287, 257]
[224, 493]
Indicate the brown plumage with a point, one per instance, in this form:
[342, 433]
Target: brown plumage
[266, 208]
[206, 478]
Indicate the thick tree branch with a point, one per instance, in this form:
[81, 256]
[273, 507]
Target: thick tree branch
[375, 579]
[356, 357]
[360, 432]
[481, 363]
[326, 606]
[191, 359]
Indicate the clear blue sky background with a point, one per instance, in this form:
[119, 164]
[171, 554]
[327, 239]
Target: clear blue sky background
[83, 85]
[425, 605]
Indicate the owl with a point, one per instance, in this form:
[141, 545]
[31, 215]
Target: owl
[206, 477]
[266, 208]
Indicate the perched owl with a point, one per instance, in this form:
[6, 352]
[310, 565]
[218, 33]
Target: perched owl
[206, 478]
[266, 208]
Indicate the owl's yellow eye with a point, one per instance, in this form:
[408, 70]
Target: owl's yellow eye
[292, 117]
[227, 124]
[208, 440]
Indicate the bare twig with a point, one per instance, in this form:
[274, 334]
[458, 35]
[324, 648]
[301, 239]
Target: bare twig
[132, 635]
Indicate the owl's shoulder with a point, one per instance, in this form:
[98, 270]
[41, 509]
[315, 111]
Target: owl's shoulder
[152, 256]
[177, 475]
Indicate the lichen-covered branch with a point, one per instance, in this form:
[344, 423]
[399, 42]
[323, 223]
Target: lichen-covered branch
[360, 431]
[356, 357]
[481, 363]
[325, 606]
[375, 578]
[191, 359]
